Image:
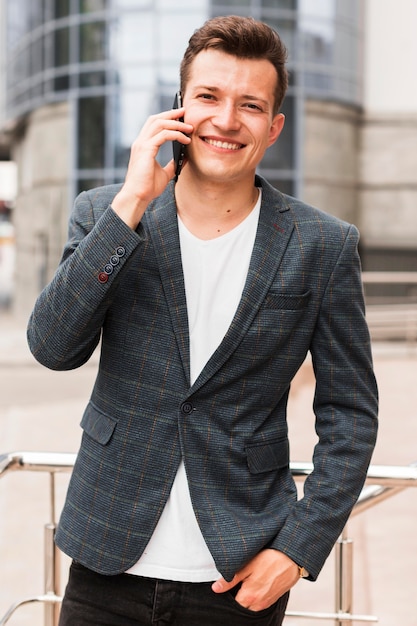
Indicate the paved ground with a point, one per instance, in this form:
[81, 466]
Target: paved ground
[40, 410]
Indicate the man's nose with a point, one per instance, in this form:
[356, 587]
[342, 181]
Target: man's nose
[227, 117]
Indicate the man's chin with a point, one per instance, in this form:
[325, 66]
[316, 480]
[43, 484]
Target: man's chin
[218, 173]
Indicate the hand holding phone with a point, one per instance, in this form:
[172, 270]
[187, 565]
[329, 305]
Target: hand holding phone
[178, 148]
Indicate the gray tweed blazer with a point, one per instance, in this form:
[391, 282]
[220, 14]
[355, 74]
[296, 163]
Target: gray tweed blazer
[303, 293]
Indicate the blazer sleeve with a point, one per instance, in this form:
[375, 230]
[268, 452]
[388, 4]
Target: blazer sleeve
[345, 406]
[65, 325]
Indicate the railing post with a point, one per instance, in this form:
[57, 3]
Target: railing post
[344, 577]
[52, 576]
[52, 561]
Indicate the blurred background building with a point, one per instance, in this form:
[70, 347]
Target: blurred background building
[78, 78]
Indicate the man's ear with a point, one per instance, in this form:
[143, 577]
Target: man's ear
[276, 128]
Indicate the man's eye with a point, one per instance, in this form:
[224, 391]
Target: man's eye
[254, 107]
[206, 96]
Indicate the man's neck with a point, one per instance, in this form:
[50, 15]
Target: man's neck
[209, 211]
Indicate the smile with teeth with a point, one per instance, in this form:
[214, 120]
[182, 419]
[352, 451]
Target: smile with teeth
[226, 145]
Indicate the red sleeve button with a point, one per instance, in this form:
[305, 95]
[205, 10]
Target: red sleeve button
[103, 277]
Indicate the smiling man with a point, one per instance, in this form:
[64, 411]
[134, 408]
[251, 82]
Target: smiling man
[207, 294]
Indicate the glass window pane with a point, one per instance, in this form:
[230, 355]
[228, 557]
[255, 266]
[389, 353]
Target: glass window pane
[282, 4]
[91, 133]
[167, 5]
[37, 90]
[316, 82]
[36, 56]
[317, 49]
[231, 3]
[174, 32]
[132, 38]
[18, 21]
[48, 86]
[61, 47]
[61, 8]
[130, 110]
[49, 50]
[281, 154]
[84, 184]
[319, 8]
[36, 9]
[19, 70]
[134, 75]
[286, 29]
[89, 6]
[61, 83]
[285, 185]
[92, 42]
[346, 50]
[348, 10]
[134, 4]
[168, 74]
[317, 24]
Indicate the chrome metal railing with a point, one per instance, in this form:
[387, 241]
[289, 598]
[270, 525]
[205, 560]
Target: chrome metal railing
[382, 482]
[51, 463]
[386, 278]
[392, 317]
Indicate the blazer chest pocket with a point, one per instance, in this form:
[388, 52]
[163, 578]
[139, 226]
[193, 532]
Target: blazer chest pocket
[267, 456]
[97, 424]
[286, 301]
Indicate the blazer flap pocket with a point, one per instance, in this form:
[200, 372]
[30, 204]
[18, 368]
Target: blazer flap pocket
[268, 455]
[97, 424]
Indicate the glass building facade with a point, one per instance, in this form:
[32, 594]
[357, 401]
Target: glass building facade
[116, 62]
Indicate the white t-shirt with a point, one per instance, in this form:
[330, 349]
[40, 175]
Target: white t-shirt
[215, 272]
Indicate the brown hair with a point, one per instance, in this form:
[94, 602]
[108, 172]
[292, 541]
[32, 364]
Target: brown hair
[243, 37]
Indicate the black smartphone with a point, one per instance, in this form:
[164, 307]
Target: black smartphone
[178, 148]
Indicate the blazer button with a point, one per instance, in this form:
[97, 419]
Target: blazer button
[108, 268]
[120, 251]
[187, 408]
[103, 277]
[114, 259]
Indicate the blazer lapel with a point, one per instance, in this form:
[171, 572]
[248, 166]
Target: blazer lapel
[161, 217]
[274, 231]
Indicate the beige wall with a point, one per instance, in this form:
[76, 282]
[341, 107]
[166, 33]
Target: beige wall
[389, 55]
[388, 154]
[389, 180]
[330, 155]
[363, 168]
[42, 155]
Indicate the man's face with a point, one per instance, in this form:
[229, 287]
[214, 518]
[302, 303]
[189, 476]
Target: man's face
[229, 101]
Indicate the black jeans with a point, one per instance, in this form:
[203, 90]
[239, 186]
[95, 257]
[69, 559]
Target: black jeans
[125, 600]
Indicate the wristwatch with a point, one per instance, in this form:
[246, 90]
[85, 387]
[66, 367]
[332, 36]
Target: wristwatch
[303, 572]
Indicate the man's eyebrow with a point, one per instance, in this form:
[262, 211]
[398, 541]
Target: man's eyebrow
[207, 87]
